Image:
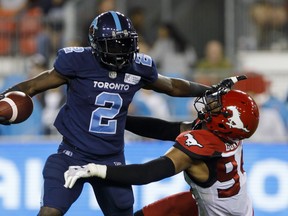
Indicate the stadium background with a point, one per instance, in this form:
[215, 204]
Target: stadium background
[23, 148]
[21, 180]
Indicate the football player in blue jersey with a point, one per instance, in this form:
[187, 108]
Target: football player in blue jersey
[101, 81]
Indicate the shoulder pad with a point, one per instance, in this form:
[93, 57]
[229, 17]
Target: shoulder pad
[201, 143]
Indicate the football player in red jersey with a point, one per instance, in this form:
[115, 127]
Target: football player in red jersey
[210, 154]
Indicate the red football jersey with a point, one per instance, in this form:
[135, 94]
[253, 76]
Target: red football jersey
[225, 192]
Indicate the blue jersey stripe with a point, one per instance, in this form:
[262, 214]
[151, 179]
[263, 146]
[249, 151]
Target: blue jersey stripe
[116, 20]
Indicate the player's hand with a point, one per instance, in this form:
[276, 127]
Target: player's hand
[86, 171]
[4, 121]
[227, 83]
[74, 173]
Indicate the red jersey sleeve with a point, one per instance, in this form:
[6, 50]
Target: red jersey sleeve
[200, 144]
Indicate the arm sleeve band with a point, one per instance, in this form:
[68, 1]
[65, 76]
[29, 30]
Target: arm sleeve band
[153, 127]
[139, 174]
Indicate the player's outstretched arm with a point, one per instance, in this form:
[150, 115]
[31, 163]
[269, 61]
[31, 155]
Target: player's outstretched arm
[183, 88]
[178, 87]
[172, 163]
[153, 127]
[136, 174]
[46, 80]
[156, 128]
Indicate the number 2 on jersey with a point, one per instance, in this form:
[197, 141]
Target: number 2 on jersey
[102, 119]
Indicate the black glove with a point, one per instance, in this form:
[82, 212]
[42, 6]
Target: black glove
[227, 83]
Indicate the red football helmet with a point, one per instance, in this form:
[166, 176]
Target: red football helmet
[230, 114]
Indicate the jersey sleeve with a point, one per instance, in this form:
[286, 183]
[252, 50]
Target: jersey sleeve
[154, 73]
[200, 144]
[65, 63]
[145, 66]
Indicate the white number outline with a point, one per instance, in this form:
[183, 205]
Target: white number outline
[143, 59]
[97, 116]
[73, 49]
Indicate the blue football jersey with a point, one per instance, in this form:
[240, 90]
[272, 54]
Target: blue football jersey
[94, 115]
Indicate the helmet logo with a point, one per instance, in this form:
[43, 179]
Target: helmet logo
[191, 141]
[235, 121]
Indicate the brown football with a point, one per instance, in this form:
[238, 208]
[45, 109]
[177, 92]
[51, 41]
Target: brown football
[16, 107]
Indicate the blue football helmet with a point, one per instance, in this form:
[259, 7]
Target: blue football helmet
[113, 39]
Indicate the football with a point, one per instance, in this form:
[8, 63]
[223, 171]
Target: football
[16, 107]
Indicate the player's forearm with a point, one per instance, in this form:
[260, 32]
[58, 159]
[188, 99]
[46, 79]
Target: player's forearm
[13, 88]
[23, 87]
[183, 88]
[153, 127]
[136, 174]
[198, 89]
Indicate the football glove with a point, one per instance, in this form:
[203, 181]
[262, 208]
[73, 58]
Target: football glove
[86, 171]
[227, 83]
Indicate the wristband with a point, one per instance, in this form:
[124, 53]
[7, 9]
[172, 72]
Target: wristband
[97, 170]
